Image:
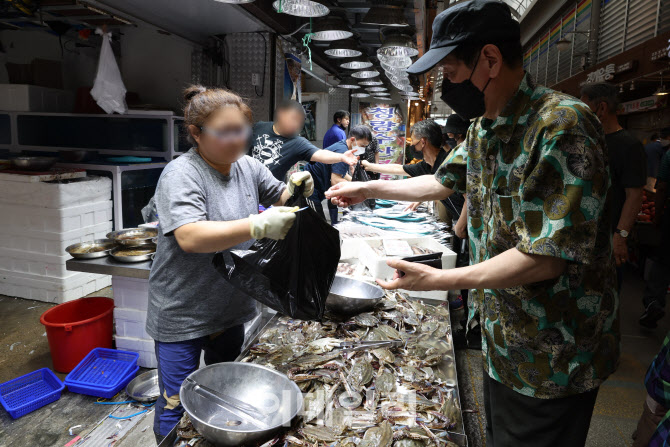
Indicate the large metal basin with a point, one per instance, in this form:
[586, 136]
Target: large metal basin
[350, 296]
[267, 390]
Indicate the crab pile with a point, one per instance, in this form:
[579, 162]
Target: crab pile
[387, 396]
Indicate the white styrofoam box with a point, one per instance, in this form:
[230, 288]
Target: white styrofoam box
[82, 191]
[144, 347]
[131, 293]
[33, 98]
[48, 242]
[35, 263]
[130, 322]
[51, 290]
[54, 220]
[377, 264]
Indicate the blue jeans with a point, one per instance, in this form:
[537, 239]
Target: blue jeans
[178, 360]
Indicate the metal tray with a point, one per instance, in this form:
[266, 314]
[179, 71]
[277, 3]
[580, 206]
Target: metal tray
[107, 244]
[137, 258]
[144, 388]
[134, 237]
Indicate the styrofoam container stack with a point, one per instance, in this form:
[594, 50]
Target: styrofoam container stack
[38, 221]
[131, 299]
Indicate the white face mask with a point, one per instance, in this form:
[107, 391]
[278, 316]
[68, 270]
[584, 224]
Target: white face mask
[358, 150]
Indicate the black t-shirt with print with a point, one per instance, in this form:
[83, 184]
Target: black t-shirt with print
[276, 152]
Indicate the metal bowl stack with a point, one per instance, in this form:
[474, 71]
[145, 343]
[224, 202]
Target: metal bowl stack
[133, 244]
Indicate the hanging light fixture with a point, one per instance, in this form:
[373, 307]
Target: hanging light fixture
[398, 45]
[332, 27]
[372, 81]
[404, 88]
[398, 80]
[394, 62]
[383, 98]
[360, 95]
[376, 89]
[364, 74]
[344, 48]
[357, 63]
[385, 13]
[395, 71]
[348, 82]
[301, 8]
[383, 93]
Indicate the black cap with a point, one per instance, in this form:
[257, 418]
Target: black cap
[475, 21]
[456, 124]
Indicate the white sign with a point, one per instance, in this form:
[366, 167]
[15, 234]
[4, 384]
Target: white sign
[605, 73]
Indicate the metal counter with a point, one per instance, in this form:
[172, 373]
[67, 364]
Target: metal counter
[448, 367]
[109, 266]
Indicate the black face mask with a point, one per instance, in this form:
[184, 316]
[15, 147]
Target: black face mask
[451, 142]
[464, 97]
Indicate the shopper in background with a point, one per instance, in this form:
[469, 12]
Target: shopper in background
[628, 167]
[543, 276]
[207, 200]
[338, 131]
[371, 155]
[326, 176]
[653, 428]
[278, 145]
[655, 150]
[656, 286]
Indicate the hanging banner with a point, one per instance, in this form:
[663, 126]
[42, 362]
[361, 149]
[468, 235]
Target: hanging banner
[388, 126]
[642, 104]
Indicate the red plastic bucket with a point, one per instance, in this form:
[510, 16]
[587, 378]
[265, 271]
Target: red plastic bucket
[76, 327]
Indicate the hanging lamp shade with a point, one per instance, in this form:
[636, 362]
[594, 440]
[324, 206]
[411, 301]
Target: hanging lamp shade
[299, 8]
[332, 27]
[398, 45]
[404, 88]
[395, 61]
[394, 70]
[383, 94]
[348, 82]
[372, 81]
[398, 80]
[344, 48]
[376, 89]
[385, 13]
[364, 74]
[381, 98]
[357, 63]
[360, 95]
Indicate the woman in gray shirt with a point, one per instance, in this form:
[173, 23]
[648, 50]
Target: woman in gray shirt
[207, 201]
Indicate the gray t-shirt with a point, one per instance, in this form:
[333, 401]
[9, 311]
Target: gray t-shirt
[188, 298]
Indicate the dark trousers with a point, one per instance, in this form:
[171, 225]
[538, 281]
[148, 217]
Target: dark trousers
[515, 420]
[178, 360]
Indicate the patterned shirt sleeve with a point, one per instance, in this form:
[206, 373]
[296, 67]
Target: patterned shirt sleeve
[562, 199]
[452, 173]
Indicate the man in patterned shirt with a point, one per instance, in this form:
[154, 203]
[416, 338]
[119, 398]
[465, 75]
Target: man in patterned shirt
[535, 171]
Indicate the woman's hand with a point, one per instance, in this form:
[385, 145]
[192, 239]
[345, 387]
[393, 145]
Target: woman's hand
[417, 276]
[345, 194]
[413, 206]
[273, 223]
[297, 179]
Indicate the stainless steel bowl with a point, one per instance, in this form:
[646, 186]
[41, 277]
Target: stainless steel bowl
[269, 392]
[34, 163]
[133, 237]
[350, 296]
[144, 388]
[116, 253]
[91, 249]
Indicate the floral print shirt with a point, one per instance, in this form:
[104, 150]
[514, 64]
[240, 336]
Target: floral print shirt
[537, 180]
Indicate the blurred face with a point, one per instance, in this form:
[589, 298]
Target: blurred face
[224, 137]
[358, 144]
[344, 122]
[451, 135]
[419, 143]
[599, 108]
[290, 122]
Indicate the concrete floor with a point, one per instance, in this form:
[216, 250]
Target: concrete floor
[24, 348]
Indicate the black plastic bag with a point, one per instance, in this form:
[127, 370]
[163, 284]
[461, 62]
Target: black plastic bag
[292, 276]
[360, 175]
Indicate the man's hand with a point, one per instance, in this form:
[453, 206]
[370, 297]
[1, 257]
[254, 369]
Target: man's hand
[349, 158]
[417, 276]
[413, 206]
[620, 249]
[272, 223]
[297, 179]
[346, 193]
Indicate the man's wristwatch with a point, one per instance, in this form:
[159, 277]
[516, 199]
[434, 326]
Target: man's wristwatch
[623, 233]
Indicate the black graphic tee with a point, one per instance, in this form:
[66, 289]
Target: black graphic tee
[279, 153]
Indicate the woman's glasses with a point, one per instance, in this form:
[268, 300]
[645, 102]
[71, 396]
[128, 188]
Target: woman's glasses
[229, 135]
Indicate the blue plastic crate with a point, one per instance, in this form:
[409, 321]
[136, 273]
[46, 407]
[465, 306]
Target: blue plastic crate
[103, 371]
[27, 393]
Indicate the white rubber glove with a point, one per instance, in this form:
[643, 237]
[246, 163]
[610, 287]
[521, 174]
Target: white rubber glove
[272, 223]
[297, 179]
